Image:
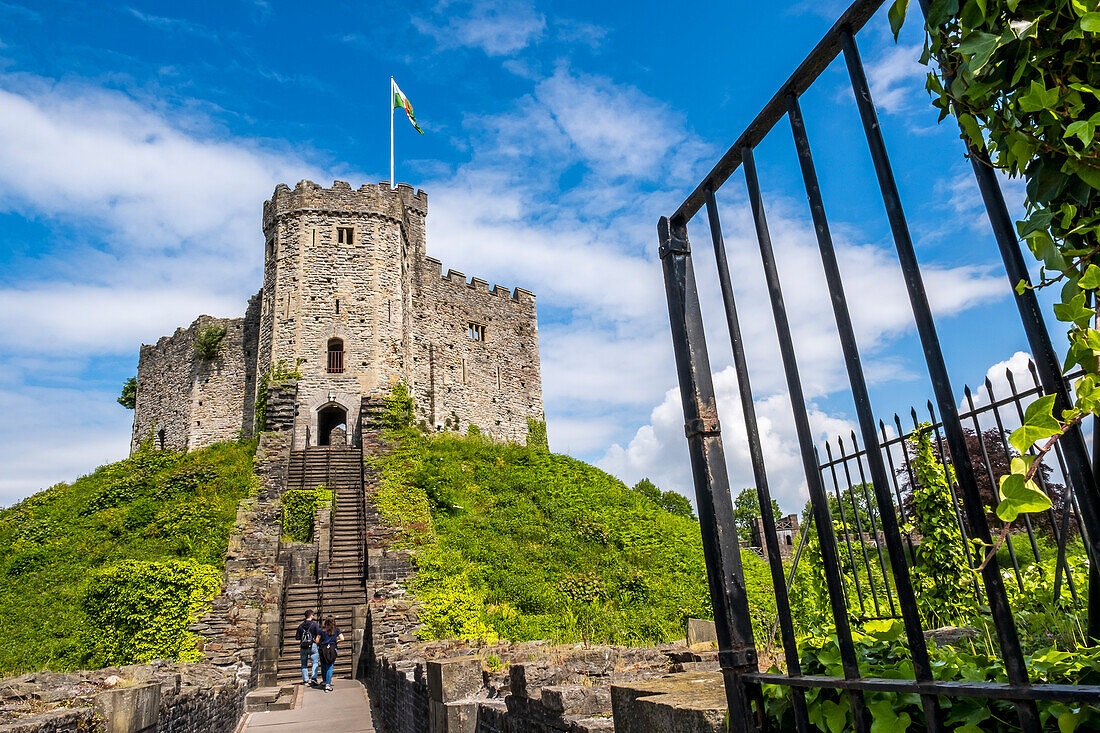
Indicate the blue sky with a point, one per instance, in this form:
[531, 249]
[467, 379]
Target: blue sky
[139, 140]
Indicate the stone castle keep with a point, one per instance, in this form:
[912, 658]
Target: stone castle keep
[351, 297]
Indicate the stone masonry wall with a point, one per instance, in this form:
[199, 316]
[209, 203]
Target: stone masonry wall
[317, 288]
[185, 402]
[457, 380]
[394, 312]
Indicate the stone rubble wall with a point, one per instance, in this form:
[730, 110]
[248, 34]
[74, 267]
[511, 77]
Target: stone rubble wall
[161, 696]
[185, 402]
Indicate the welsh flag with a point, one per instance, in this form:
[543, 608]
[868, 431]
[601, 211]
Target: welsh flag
[400, 101]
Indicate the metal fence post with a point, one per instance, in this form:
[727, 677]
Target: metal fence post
[721, 551]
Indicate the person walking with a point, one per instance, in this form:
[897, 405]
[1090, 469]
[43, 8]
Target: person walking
[330, 635]
[307, 634]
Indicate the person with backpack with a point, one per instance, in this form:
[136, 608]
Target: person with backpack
[307, 634]
[330, 635]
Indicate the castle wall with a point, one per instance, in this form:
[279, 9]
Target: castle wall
[398, 317]
[493, 383]
[195, 402]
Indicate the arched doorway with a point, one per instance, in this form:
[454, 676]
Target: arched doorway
[329, 417]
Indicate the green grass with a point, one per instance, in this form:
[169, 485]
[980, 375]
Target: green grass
[154, 506]
[518, 543]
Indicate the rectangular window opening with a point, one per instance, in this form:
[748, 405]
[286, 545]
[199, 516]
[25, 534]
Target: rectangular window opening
[337, 306]
[465, 372]
[344, 235]
[475, 331]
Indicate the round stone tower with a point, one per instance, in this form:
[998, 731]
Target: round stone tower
[336, 295]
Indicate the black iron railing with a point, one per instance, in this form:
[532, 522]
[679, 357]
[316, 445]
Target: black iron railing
[876, 469]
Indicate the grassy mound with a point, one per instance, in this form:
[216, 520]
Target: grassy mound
[154, 506]
[518, 543]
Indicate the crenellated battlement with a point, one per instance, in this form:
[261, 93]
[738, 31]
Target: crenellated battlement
[341, 198]
[433, 268]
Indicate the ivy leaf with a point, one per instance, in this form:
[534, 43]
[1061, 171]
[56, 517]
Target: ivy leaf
[1070, 719]
[1089, 22]
[970, 127]
[1091, 279]
[885, 720]
[1074, 311]
[1083, 129]
[979, 47]
[897, 16]
[836, 716]
[1046, 251]
[1020, 497]
[1039, 423]
[1038, 97]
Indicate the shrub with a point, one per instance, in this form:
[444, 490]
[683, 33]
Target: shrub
[300, 508]
[182, 506]
[536, 434]
[128, 399]
[139, 611]
[208, 340]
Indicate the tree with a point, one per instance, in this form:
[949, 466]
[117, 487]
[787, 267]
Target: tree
[128, 399]
[674, 502]
[746, 508]
[649, 490]
[671, 501]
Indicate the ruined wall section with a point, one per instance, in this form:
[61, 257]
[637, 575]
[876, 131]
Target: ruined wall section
[457, 380]
[194, 402]
[317, 288]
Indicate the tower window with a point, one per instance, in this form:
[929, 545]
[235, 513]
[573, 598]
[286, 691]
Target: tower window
[465, 372]
[335, 356]
[476, 331]
[344, 235]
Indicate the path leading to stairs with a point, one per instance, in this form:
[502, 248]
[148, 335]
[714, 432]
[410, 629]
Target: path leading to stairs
[344, 710]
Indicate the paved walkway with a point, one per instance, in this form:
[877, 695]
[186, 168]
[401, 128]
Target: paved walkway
[344, 710]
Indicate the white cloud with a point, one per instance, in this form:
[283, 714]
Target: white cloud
[152, 178]
[56, 434]
[497, 27]
[897, 79]
[82, 319]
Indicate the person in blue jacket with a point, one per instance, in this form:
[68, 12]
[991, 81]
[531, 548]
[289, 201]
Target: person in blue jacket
[330, 635]
[307, 634]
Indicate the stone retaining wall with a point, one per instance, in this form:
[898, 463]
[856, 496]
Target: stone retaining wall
[165, 697]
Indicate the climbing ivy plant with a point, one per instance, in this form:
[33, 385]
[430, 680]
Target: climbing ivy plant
[944, 593]
[1022, 78]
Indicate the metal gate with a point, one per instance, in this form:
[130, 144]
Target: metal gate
[737, 651]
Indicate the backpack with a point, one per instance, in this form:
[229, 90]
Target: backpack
[306, 636]
[328, 652]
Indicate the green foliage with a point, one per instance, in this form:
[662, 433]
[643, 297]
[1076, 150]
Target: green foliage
[518, 543]
[299, 509]
[128, 398]
[882, 653]
[746, 508]
[1022, 79]
[398, 415]
[536, 434]
[276, 375]
[941, 574]
[671, 501]
[154, 506]
[208, 340]
[138, 611]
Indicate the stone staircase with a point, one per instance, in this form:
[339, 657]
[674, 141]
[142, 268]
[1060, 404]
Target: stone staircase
[341, 587]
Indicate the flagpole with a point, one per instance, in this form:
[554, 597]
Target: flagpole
[393, 180]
